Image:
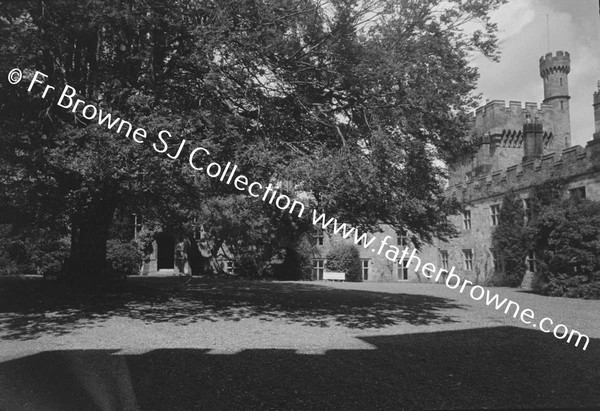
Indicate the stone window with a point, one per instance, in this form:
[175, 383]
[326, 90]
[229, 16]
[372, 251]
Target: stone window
[527, 209]
[495, 212]
[318, 237]
[402, 238]
[318, 268]
[577, 193]
[467, 219]
[403, 269]
[444, 259]
[198, 233]
[495, 259]
[229, 266]
[531, 261]
[366, 263]
[468, 259]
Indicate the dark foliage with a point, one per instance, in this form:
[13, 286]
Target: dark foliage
[124, 258]
[345, 257]
[507, 240]
[566, 237]
[297, 263]
[330, 96]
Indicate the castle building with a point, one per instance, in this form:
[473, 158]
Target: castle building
[519, 146]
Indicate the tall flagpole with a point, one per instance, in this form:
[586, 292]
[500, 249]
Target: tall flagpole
[548, 30]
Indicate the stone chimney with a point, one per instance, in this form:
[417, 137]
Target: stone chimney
[533, 139]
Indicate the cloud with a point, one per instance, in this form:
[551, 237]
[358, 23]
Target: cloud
[574, 27]
[511, 20]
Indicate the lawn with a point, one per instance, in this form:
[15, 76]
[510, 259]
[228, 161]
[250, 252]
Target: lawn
[159, 343]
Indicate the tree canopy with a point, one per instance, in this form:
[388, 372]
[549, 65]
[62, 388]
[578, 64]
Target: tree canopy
[353, 101]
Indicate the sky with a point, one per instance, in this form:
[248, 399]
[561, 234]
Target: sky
[574, 27]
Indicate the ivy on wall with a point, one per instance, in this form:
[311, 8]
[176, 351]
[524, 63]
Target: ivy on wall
[508, 239]
[563, 233]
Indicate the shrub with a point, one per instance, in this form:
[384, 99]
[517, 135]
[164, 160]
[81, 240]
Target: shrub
[7, 266]
[124, 258]
[566, 237]
[297, 263]
[47, 253]
[345, 257]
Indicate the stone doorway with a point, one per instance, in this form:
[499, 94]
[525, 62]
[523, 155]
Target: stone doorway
[165, 253]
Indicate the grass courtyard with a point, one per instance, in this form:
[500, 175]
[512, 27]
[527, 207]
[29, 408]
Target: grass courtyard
[159, 343]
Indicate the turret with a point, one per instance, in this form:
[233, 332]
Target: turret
[533, 139]
[554, 69]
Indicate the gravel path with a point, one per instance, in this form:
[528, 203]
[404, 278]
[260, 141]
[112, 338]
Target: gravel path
[233, 344]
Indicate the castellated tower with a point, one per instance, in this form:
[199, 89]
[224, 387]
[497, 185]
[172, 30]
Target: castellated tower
[498, 127]
[554, 69]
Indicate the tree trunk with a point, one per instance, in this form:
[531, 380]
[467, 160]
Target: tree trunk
[195, 258]
[87, 264]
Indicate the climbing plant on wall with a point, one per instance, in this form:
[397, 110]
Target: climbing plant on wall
[507, 239]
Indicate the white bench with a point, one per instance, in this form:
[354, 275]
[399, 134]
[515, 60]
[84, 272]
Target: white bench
[331, 275]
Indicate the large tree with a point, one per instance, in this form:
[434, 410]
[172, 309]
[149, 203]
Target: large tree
[356, 101]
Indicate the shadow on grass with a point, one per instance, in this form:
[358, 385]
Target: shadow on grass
[31, 308]
[503, 367]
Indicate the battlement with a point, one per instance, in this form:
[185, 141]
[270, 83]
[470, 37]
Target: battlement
[496, 115]
[552, 63]
[571, 162]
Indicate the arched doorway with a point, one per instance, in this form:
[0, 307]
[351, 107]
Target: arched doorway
[165, 258]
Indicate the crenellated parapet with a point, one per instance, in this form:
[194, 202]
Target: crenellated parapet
[553, 63]
[571, 162]
[496, 116]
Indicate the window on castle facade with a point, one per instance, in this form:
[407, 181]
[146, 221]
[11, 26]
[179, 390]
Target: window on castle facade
[318, 268]
[495, 259]
[468, 259]
[444, 259]
[467, 219]
[229, 266]
[495, 211]
[527, 209]
[366, 263]
[402, 238]
[403, 269]
[318, 237]
[577, 193]
[531, 261]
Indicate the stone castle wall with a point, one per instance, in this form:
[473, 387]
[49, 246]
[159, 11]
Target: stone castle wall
[571, 163]
[382, 269]
[579, 166]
